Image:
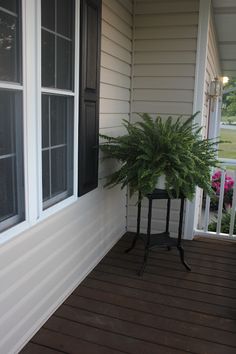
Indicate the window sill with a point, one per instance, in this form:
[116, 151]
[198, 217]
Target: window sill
[24, 226]
[57, 207]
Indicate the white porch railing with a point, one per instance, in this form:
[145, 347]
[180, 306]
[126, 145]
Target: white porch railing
[207, 216]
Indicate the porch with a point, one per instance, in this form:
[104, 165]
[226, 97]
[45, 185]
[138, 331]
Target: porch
[166, 311]
[158, 57]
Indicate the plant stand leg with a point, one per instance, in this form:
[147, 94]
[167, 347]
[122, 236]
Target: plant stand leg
[179, 245]
[138, 227]
[147, 246]
[141, 270]
[181, 253]
[168, 221]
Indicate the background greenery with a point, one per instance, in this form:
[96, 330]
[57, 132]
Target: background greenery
[229, 100]
[228, 150]
[229, 118]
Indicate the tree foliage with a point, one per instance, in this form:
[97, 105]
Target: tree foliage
[229, 100]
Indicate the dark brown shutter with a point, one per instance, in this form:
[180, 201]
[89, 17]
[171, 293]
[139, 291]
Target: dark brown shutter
[90, 43]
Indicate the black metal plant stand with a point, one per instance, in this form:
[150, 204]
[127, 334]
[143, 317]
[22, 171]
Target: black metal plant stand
[160, 239]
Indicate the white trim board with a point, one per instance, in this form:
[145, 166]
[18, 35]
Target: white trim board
[198, 102]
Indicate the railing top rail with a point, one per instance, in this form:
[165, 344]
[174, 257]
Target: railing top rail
[227, 161]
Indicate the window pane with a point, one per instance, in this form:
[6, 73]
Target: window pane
[46, 175]
[59, 170]
[48, 14]
[58, 47]
[57, 155]
[64, 64]
[48, 59]
[7, 126]
[65, 11]
[7, 188]
[9, 55]
[10, 5]
[45, 121]
[58, 120]
[11, 159]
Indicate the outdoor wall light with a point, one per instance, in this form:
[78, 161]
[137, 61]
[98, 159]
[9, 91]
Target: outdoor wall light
[225, 80]
[215, 89]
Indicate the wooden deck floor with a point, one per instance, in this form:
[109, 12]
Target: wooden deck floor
[167, 311]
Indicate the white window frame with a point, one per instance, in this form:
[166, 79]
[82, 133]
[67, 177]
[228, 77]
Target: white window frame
[14, 87]
[31, 53]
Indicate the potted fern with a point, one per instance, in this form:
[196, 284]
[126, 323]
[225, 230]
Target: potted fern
[155, 148]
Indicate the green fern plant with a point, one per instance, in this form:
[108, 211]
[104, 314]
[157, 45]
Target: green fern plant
[152, 148]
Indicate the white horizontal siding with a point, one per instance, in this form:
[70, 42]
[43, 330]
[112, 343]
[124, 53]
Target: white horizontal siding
[178, 108]
[114, 92]
[165, 70]
[158, 216]
[39, 268]
[149, 45]
[164, 83]
[116, 36]
[111, 120]
[119, 10]
[115, 71]
[112, 63]
[117, 51]
[156, 95]
[155, 57]
[164, 74]
[128, 5]
[155, 20]
[58, 253]
[109, 16]
[164, 7]
[166, 32]
[113, 78]
[114, 106]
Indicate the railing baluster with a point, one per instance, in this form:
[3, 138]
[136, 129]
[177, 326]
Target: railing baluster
[220, 205]
[232, 218]
[224, 195]
[207, 212]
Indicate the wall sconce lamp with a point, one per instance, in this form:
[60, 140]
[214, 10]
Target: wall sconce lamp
[215, 89]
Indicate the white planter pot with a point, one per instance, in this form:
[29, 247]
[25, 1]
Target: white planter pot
[161, 182]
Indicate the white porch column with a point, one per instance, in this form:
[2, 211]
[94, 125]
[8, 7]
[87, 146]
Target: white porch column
[191, 215]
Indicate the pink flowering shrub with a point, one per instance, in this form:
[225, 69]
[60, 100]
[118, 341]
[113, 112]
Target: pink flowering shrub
[228, 186]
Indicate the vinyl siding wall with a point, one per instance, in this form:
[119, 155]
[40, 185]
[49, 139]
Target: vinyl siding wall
[39, 268]
[164, 75]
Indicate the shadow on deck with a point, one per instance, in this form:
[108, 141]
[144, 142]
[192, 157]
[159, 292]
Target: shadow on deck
[167, 311]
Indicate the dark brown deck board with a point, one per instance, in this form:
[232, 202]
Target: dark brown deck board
[66, 340]
[167, 311]
[188, 293]
[34, 348]
[177, 274]
[151, 305]
[151, 291]
[91, 301]
[160, 260]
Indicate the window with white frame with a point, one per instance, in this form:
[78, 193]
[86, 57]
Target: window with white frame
[39, 107]
[57, 67]
[11, 123]
[57, 105]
